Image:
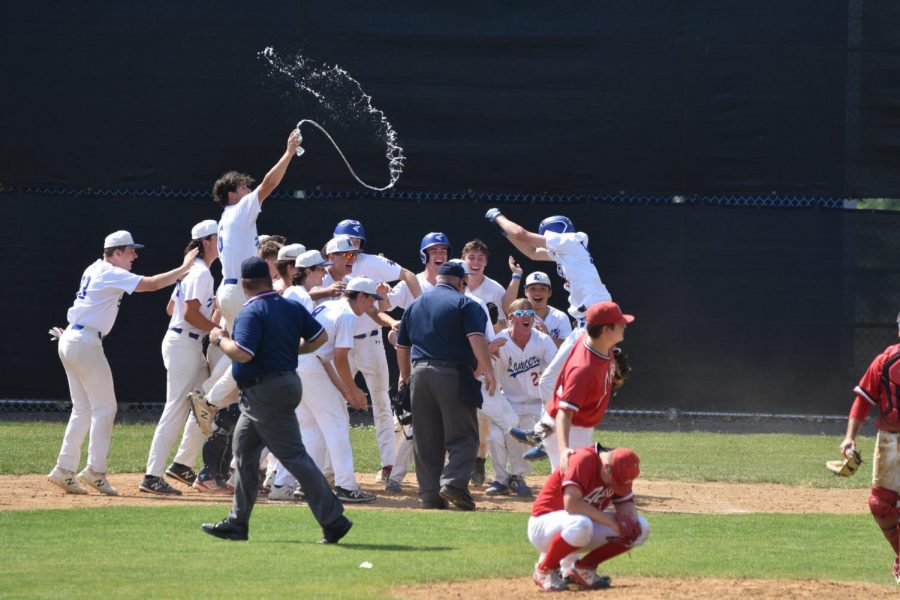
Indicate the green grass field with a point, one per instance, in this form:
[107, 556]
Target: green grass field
[160, 552]
[749, 458]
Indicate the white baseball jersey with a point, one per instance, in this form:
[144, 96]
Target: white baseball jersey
[401, 297]
[196, 285]
[298, 294]
[491, 291]
[238, 239]
[575, 265]
[338, 320]
[558, 325]
[519, 370]
[99, 294]
[378, 269]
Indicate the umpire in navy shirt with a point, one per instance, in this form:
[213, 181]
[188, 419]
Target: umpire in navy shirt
[269, 333]
[442, 353]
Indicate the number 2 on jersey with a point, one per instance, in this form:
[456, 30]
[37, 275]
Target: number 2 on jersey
[535, 378]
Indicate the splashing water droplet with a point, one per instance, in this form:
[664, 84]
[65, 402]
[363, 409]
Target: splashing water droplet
[329, 85]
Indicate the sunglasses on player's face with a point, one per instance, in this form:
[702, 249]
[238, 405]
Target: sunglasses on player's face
[347, 255]
[523, 313]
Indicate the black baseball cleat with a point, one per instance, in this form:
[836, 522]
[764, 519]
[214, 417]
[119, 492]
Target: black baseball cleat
[226, 530]
[334, 532]
[460, 498]
[182, 473]
[478, 475]
[439, 504]
[158, 486]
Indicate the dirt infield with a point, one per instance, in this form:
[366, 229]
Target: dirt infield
[30, 492]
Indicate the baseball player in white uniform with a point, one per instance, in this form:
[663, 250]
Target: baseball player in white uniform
[308, 274]
[323, 416]
[238, 241]
[91, 318]
[285, 266]
[550, 320]
[237, 226]
[367, 355]
[186, 367]
[475, 254]
[518, 367]
[558, 241]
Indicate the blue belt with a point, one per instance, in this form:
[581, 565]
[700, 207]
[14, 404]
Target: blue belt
[77, 327]
[178, 330]
[230, 282]
[363, 336]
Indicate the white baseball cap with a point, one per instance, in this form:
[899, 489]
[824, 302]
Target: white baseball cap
[462, 263]
[365, 285]
[120, 238]
[203, 229]
[261, 238]
[340, 243]
[291, 251]
[311, 258]
[538, 277]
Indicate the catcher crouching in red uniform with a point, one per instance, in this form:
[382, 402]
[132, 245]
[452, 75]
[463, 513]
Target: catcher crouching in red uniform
[569, 519]
[880, 387]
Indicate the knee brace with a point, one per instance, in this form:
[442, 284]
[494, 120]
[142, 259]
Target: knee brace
[883, 504]
[578, 531]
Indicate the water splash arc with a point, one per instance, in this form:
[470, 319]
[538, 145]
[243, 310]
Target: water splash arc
[347, 162]
[343, 100]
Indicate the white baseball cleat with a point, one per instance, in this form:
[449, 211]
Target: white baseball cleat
[97, 481]
[282, 493]
[65, 480]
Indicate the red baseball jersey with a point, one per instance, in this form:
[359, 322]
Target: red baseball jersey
[583, 473]
[879, 387]
[584, 386]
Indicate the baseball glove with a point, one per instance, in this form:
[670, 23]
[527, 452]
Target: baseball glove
[629, 529]
[846, 467]
[623, 369]
[401, 405]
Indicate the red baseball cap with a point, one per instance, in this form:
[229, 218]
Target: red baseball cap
[626, 466]
[607, 313]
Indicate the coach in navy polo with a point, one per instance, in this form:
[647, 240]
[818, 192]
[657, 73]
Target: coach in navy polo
[441, 352]
[269, 333]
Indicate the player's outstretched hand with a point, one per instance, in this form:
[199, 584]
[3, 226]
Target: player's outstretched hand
[357, 399]
[293, 141]
[55, 333]
[515, 267]
[492, 214]
[189, 258]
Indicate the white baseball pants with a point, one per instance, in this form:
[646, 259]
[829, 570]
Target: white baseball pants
[579, 437]
[325, 424]
[578, 530]
[93, 399]
[230, 298]
[506, 451]
[185, 369]
[367, 357]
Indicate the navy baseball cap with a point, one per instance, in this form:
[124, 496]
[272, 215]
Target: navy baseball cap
[254, 268]
[454, 269]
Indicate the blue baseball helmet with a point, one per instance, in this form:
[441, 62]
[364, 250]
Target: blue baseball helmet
[435, 238]
[351, 228]
[556, 223]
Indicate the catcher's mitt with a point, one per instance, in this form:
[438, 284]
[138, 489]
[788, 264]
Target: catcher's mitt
[623, 369]
[846, 467]
[629, 529]
[401, 405]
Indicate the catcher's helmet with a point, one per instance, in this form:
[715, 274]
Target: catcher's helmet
[435, 238]
[557, 223]
[351, 228]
